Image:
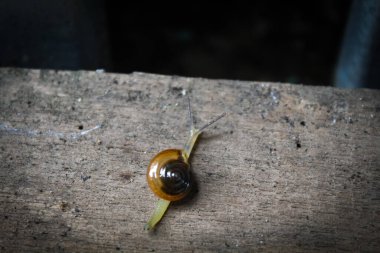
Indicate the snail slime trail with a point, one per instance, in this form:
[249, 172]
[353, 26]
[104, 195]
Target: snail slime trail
[168, 173]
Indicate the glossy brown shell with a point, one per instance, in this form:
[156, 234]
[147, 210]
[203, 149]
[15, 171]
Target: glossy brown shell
[169, 175]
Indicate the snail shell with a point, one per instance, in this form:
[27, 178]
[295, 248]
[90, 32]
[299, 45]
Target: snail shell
[169, 175]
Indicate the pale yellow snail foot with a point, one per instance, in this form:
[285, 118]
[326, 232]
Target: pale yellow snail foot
[161, 207]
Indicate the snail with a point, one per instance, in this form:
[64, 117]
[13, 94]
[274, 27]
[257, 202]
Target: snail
[169, 175]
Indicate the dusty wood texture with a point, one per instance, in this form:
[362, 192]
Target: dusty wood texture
[290, 168]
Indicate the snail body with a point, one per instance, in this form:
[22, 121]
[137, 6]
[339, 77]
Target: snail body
[169, 175]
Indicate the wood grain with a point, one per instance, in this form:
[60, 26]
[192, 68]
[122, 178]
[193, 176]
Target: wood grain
[291, 168]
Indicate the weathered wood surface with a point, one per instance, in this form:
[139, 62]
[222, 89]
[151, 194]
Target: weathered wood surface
[290, 168]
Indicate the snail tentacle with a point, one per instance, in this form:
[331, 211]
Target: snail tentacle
[195, 133]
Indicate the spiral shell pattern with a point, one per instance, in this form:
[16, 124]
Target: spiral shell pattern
[169, 175]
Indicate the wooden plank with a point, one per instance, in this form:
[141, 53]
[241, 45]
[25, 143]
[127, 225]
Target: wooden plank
[290, 168]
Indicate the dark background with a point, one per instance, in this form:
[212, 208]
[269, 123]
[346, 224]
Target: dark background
[280, 41]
